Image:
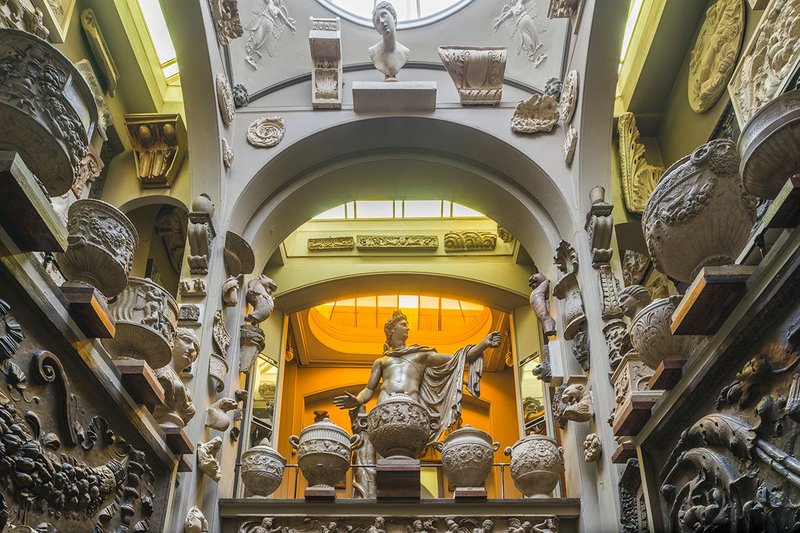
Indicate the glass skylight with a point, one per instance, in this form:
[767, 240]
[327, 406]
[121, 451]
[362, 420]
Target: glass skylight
[157, 28]
[398, 209]
[633, 17]
[407, 10]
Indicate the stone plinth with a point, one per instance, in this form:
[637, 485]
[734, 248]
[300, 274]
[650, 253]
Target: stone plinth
[398, 478]
[394, 96]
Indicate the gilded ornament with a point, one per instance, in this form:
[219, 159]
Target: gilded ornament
[639, 177]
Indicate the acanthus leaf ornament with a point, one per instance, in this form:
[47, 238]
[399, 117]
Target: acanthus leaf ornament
[639, 177]
[477, 72]
[227, 108]
[536, 114]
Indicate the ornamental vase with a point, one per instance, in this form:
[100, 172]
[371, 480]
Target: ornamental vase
[467, 456]
[262, 469]
[770, 146]
[536, 465]
[146, 316]
[652, 338]
[100, 247]
[323, 453]
[47, 111]
[399, 426]
[699, 213]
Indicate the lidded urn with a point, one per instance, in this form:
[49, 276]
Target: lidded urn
[536, 465]
[399, 426]
[323, 455]
[467, 456]
[262, 469]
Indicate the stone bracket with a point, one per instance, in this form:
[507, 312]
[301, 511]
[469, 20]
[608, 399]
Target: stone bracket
[626, 450]
[667, 375]
[709, 299]
[160, 143]
[87, 306]
[140, 381]
[325, 41]
[634, 413]
[178, 441]
[25, 209]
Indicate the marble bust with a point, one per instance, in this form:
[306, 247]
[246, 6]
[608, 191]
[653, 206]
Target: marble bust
[387, 55]
[178, 408]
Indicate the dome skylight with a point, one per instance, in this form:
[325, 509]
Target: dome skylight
[408, 11]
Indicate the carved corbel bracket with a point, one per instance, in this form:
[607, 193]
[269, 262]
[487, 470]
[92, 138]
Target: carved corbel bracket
[207, 457]
[573, 401]
[600, 226]
[477, 72]
[325, 41]
[239, 256]
[639, 177]
[568, 290]
[201, 233]
[251, 343]
[159, 143]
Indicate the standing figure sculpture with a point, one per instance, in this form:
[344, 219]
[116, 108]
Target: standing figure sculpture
[540, 302]
[521, 22]
[388, 55]
[422, 376]
[364, 456]
[270, 18]
[259, 296]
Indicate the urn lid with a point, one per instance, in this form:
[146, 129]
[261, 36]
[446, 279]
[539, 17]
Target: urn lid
[468, 431]
[324, 424]
[264, 447]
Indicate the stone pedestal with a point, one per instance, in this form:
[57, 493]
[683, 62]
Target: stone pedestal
[398, 478]
[87, 306]
[320, 494]
[470, 493]
[709, 299]
[394, 96]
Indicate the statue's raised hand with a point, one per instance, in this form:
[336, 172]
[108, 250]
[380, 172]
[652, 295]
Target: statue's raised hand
[346, 401]
[493, 339]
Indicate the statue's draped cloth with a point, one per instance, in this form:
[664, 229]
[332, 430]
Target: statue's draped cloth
[441, 389]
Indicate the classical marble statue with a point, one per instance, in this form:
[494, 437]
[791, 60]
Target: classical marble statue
[540, 302]
[420, 373]
[259, 295]
[388, 55]
[178, 408]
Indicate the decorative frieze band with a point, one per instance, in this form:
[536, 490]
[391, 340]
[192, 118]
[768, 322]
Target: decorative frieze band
[389, 242]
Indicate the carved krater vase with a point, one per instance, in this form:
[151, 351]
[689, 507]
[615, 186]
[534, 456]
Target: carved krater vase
[651, 336]
[262, 469]
[770, 144]
[47, 111]
[467, 456]
[699, 213]
[100, 248]
[399, 426]
[536, 465]
[323, 453]
[146, 316]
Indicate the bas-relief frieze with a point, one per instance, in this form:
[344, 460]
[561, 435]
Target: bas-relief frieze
[331, 243]
[67, 463]
[519, 20]
[409, 242]
[268, 22]
[457, 241]
[402, 524]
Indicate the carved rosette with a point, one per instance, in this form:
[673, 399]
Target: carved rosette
[477, 72]
[266, 132]
[713, 57]
[251, 343]
[536, 465]
[146, 317]
[102, 241]
[323, 453]
[399, 426]
[467, 456]
[651, 336]
[699, 214]
[536, 114]
[262, 469]
[569, 97]
[769, 145]
[227, 108]
[47, 111]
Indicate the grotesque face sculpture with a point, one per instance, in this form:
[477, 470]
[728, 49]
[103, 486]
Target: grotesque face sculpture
[384, 18]
[185, 348]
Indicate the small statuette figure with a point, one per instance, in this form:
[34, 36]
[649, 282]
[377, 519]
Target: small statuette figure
[195, 522]
[540, 302]
[259, 296]
[217, 414]
[207, 457]
[388, 55]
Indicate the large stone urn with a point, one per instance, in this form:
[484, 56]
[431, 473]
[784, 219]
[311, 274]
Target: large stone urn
[262, 469]
[536, 465]
[770, 146]
[699, 213]
[651, 336]
[47, 111]
[146, 316]
[323, 455]
[399, 426]
[467, 456]
[100, 248]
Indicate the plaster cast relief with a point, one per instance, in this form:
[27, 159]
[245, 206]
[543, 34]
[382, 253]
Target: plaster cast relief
[769, 59]
[100, 50]
[505, 234]
[240, 96]
[570, 9]
[476, 71]
[189, 313]
[195, 522]
[600, 227]
[568, 290]
[201, 233]
[269, 21]
[396, 524]
[159, 145]
[240, 395]
[632, 507]
[178, 408]
[207, 457]
[217, 363]
[227, 153]
[331, 243]
[192, 287]
[459, 241]
[265, 132]
[226, 20]
[518, 19]
[569, 97]
[592, 448]
[238, 255]
[580, 348]
[714, 54]
[220, 335]
[570, 143]
[251, 343]
[89, 169]
[230, 292]
[105, 120]
[217, 371]
[227, 109]
[21, 14]
[540, 303]
[573, 403]
[634, 267]
[169, 225]
[325, 41]
[387, 55]
[537, 113]
[217, 414]
[420, 242]
[639, 177]
[259, 297]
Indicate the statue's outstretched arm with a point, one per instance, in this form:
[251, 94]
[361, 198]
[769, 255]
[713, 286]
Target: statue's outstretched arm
[492, 340]
[348, 401]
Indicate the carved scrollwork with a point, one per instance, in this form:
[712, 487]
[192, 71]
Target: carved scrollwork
[639, 177]
[49, 369]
